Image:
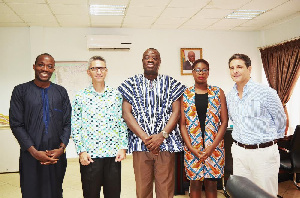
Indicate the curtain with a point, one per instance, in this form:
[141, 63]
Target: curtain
[281, 64]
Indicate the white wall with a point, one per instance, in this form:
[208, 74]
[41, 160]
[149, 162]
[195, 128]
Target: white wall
[15, 65]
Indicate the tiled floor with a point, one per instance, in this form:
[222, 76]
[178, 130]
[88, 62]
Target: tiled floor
[9, 183]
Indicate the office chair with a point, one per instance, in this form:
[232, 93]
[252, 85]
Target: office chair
[240, 187]
[292, 163]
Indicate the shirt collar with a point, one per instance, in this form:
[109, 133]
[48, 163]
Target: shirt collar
[91, 89]
[246, 87]
[154, 80]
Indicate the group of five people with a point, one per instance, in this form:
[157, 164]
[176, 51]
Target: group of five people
[148, 115]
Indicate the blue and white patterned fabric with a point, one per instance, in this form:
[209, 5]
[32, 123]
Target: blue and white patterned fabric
[97, 124]
[258, 117]
[152, 107]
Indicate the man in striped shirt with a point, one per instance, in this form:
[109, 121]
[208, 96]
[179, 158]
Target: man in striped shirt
[151, 109]
[258, 121]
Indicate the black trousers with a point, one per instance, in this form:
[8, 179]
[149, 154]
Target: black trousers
[102, 172]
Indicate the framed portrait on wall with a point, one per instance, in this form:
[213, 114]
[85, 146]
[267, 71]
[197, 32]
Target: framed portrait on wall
[187, 58]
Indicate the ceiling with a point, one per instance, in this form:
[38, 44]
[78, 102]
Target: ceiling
[149, 14]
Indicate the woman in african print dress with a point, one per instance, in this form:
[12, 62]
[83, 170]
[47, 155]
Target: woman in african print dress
[203, 124]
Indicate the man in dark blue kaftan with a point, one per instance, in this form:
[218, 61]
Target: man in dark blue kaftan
[40, 119]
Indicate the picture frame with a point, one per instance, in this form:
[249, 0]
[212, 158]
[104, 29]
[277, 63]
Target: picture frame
[72, 75]
[186, 64]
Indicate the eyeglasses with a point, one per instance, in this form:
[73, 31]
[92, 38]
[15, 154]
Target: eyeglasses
[102, 69]
[197, 70]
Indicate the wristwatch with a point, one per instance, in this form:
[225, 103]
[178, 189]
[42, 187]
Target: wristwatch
[165, 134]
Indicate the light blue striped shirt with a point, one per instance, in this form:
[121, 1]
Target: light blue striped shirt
[258, 117]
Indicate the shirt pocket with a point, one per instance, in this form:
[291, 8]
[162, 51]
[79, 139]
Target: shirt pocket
[254, 108]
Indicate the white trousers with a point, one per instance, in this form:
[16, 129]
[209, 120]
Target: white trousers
[260, 165]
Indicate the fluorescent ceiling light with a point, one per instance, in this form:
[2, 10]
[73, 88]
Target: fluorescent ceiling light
[245, 14]
[107, 9]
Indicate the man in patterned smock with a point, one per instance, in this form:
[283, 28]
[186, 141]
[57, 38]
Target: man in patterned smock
[99, 133]
[151, 109]
[258, 121]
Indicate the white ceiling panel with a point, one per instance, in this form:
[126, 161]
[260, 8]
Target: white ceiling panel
[30, 18]
[65, 19]
[170, 21]
[25, 1]
[144, 11]
[179, 12]
[194, 27]
[4, 9]
[68, 2]
[212, 13]
[152, 3]
[106, 19]
[263, 4]
[138, 20]
[30, 8]
[75, 24]
[108, 2]
[292, 5]
[188, 3]
[255, 22]
[164, 26]
[138, 26]
[10, 18]
[70, 9]
[227, 4]
[106, 25]
[275, 15]
[202, 22]
[11, 24]
[229, 22]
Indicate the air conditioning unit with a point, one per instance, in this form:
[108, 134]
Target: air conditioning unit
[95, 42]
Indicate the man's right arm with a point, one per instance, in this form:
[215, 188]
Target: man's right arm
[76, 124]
[131, 121]
[16, 119]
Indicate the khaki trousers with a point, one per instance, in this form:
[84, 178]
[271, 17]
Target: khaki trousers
[161, 167]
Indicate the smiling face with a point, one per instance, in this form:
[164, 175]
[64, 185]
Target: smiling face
[239, 71]
[43, 68]
[97, 75]
[151, 62]
[201, 76]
